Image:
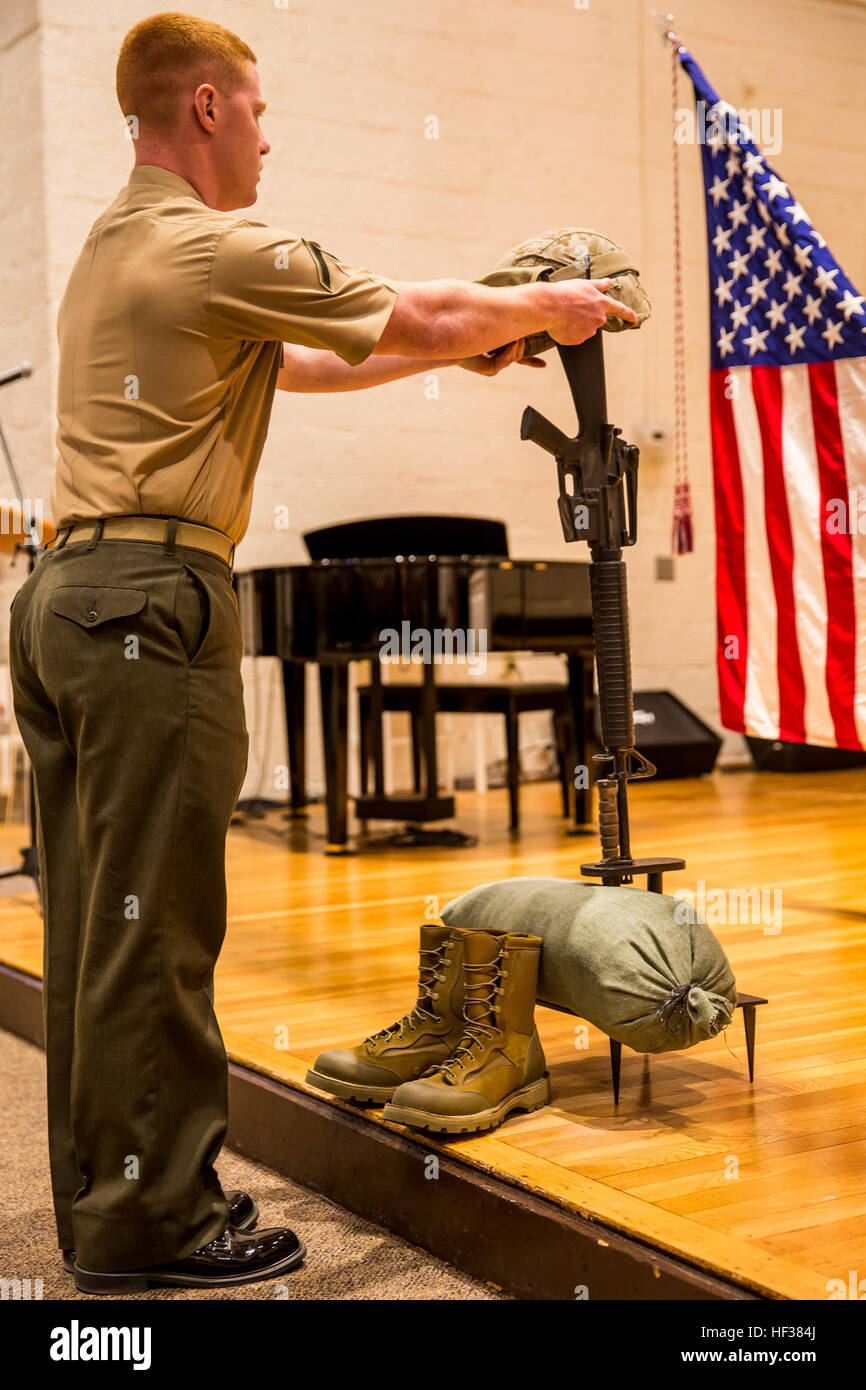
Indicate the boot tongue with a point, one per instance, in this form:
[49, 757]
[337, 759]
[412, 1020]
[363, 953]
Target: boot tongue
[431, 938]
[480, 948]
[432, 935]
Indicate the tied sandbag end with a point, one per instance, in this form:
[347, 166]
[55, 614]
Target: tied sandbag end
[709, 1012]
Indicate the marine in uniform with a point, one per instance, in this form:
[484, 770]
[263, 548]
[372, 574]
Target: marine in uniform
[180, 319]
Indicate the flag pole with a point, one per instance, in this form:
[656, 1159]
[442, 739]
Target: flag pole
[682, 531]
[664, 23]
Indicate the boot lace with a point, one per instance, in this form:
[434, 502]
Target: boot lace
[482, 994]
[431, 973]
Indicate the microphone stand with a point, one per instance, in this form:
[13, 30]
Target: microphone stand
[29, 865]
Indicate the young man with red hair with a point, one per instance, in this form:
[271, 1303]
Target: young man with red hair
[180, 320]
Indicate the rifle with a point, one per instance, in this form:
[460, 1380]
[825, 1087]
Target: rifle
[598, 504]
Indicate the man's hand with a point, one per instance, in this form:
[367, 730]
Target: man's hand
[492, 363]
[582, 308]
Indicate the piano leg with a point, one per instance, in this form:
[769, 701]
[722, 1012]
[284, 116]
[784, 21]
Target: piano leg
[334, 682]
[294, 686]
[428, 730]
[512, 744]
[375, 726]
[580, 669]
[364, 742]
[565, 757]
[417, 740]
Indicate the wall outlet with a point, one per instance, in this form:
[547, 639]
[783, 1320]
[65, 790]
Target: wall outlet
[664, 567]
[651, 437]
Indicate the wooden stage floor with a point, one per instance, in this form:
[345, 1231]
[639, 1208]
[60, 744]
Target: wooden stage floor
[764, 1185]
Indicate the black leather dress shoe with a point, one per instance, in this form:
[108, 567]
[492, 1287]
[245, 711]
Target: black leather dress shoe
[233, 1258]
[243, 1215]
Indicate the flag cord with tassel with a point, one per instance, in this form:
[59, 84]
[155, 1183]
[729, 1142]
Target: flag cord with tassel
[682, 531]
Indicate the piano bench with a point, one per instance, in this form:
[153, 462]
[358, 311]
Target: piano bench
[509, 701]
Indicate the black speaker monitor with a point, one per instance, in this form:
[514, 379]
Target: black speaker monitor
[774, 755]
[671, 735]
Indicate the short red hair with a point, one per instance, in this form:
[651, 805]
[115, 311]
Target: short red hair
[166, 54]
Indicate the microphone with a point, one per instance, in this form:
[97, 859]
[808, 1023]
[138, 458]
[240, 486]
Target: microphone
[15, 373]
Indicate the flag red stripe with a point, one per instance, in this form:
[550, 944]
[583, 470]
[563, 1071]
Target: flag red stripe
[767, 393]
[731, 601]
[836, 553]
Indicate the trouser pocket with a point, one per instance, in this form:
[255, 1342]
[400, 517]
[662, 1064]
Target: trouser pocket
[192, 613]
[91, 605]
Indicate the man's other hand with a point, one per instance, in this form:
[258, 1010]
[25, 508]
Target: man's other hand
[492, 363]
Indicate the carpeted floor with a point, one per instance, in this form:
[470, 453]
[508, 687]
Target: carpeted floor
[347, 1258]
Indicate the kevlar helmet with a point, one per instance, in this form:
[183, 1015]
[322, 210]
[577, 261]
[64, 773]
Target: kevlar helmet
[568, 251]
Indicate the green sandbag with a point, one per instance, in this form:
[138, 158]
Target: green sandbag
[617, 957]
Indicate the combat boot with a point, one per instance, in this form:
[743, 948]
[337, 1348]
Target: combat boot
[498, 1064]
[374, 1069]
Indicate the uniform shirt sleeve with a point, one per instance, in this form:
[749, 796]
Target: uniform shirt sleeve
[266, 286]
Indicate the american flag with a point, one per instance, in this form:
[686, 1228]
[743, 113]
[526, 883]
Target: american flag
[788, 417]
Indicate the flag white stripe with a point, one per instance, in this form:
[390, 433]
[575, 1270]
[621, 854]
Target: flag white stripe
[851, 396]
[761, 703]
[803, 491]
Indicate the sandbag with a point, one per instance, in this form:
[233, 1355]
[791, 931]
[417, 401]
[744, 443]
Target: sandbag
[641, 966]
[591, 255]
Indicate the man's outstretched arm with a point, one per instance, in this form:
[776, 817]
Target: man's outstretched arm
[459, 319]
[311, 369]
[440, 323]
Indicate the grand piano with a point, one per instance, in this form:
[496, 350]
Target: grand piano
[333, 612]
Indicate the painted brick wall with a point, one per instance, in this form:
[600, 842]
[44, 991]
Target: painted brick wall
[25, 304]
[549, 113]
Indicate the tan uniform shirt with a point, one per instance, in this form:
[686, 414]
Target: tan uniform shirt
[171, 333]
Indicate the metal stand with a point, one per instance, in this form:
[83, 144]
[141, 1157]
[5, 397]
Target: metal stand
[29, 865]
[598, 503]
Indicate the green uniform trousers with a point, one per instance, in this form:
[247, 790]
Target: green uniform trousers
[125, 660]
